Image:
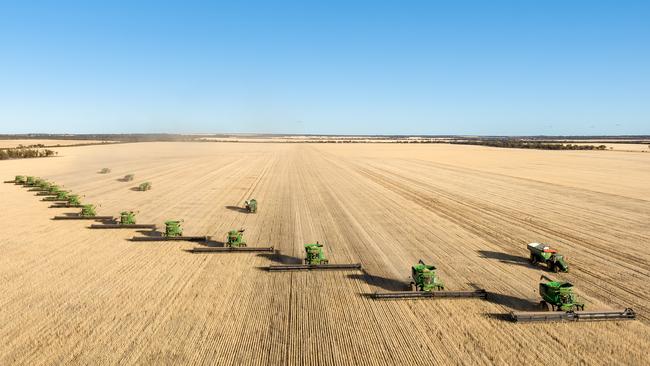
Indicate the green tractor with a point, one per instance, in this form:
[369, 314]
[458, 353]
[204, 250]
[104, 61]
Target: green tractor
[424, 278]
[173, 228]
[127, 218]
[88, 210]
[314, 254]
[558, 296]
[542, 253]
[19, 179]
[236, 239]
[251, 205]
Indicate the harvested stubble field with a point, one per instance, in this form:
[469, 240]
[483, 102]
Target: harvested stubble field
[78, 296]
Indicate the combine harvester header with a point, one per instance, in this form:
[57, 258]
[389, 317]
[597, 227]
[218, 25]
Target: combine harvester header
[314, 260]
[427, 285]
[560, 303]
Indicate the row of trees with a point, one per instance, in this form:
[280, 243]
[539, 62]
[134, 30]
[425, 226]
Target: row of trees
[24, 152]
[521, 144]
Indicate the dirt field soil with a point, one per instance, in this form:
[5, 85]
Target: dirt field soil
[71, 295]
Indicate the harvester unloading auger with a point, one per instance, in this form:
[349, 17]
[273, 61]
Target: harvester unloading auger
[426, 284]
[126, 221]
[234, 243]
[315, 260]
[560, 303]
[87, 213]
[173, 232]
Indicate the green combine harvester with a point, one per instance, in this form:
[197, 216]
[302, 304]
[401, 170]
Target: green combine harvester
[173, 232]
[426, 284]
[126, 221]
[88, 212]
[144, 186]
[61, 196]
[29, 180]
[19, 179]
[542, 253]
[52, 191]
[560, 303]
[314, 260]
[234, 243]
[72, 200]
[251, 205]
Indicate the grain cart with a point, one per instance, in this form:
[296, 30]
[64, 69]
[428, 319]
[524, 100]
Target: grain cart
[426, 284]
[234, 243]
[144, 186]
[251, 205]
[315, 260]
[560, 303]
[128, 178]
[87, 213]
[542, 253]
[126, 221]
[104, 171]
[173, 232]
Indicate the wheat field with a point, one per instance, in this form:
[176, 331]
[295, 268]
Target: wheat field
[78, 296]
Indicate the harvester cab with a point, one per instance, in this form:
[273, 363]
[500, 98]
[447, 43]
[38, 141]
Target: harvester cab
[424, 278]
[542, 253]
[88, 210]
[558, 295]
[235, 239]
[314, 254]
[251, 205]
[173, 228]
[127, 218]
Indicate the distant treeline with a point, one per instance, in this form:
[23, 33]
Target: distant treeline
[522, 144]
[23, 152]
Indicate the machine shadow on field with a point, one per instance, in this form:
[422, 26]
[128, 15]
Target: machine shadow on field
[237, 209]
[505, 258]
[279, 258]
[135, 189]
[150, 233]
[512, 302]
[384, 283]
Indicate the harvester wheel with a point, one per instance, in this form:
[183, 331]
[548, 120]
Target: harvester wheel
[533, 260]
[556, 268]
[544, 306]
[413, 287]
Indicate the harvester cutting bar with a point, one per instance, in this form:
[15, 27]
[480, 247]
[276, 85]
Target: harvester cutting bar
[123, 226]
[549, 316]
[429, 294]
[79, 217]
[53, 199]
[66, 206]
[170, 238]
[298, 267]
[230, 249]
[11, 181]
[46, 194]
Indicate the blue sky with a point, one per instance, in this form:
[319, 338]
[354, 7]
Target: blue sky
[338, 67]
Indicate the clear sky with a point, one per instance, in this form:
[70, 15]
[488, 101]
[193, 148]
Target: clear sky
[340, 67]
